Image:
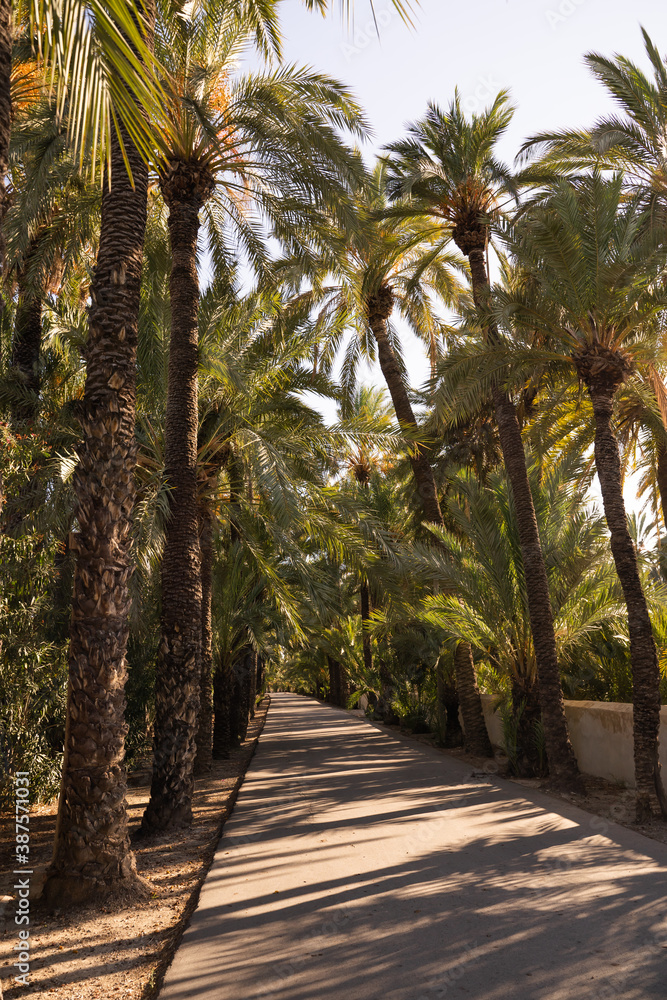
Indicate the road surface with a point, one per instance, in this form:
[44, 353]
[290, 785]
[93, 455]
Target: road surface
[360, 866]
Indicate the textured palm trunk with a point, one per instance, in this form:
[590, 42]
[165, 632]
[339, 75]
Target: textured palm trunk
[235, 701]
[449, 724]
[563, 770]
[253, 686]
[476, 739]
[222, 693]
[450, 699]
[240, 696]
[91, 848]
[247, 667]
[380, 307]
[338, 693]
[379, 310]
[27, 341]
[179, 662]
[204, 757]
[441, 702]
[365, 603]
[333, 681]
[527, 713]
[384, 707]
[643, 653]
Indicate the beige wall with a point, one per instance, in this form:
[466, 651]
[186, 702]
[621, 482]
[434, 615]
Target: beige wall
[601, 734]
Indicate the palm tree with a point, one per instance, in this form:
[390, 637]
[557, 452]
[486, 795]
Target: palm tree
[396, 266]
[596, 294]
[447, 169]
[493, 616]
[388, 265]
[266, 138]
[51, 231]
[93, 793]
[633, 141]
[641, 429]
[369, 410]
[91, 848]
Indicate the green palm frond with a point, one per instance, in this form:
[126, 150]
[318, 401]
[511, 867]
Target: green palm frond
[101, 67]
[633, 139]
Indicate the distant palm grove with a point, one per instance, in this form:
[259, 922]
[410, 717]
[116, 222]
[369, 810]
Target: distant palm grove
[194, 259]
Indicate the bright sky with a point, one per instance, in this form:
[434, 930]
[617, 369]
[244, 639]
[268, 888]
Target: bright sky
[534, 48]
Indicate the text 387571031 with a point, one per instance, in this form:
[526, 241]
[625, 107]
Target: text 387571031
[23, 871]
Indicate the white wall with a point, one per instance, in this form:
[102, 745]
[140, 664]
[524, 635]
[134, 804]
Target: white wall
[601, 734]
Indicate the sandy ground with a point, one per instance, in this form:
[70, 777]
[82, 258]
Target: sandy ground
[120, 948]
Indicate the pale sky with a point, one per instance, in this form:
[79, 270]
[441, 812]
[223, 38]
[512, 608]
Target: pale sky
[534, 48]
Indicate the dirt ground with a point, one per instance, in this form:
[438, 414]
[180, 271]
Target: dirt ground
[121, 948]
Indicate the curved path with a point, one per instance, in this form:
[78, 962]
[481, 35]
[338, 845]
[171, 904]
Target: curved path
[358, 866]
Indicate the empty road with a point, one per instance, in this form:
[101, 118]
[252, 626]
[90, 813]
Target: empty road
[358, 866]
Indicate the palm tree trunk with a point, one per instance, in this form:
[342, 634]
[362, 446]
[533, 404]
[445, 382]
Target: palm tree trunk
[379, 310]
[451, 733]
[222, 735]
[662, 478]
[253, 685]
[5, 135]
[204, 756]
[384, 704]
[179, 664]
[27, 341]
[365, 602]
[91, 848]
[247, 665]
[563, 769]
[338, 692]
[526, 708]
[643, 653]
[333, 681]
[441, 705]
[476, 739]
[240, 696]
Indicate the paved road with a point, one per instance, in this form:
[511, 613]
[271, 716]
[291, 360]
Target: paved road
[357, 866]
